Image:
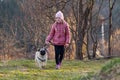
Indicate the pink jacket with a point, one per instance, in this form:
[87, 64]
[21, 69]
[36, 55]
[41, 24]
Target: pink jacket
[59, 34]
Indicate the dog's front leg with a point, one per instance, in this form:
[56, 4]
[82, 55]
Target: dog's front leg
[39, 64]
[43, 64]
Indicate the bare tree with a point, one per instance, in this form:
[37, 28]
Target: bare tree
[111, 5]
[81, 14]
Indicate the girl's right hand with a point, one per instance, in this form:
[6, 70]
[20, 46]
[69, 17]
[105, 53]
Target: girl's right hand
[66, 45]
[47, 43]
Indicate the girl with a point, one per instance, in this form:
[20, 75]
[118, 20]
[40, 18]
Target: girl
[60, 36]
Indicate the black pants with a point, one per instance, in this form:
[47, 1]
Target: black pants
[59, 53]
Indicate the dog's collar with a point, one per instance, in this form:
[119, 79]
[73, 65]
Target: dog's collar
[43, 60]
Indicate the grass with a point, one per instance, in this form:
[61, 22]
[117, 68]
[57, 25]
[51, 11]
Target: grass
[110, 64]
[70, 70]
[110, 71]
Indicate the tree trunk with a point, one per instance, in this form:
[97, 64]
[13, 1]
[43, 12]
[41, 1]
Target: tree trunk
[79, 54]
[111, 5]
[94, 49]
[88, 55]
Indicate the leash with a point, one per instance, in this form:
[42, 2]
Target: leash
[47, 45]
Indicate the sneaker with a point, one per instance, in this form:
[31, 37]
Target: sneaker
[57, 66]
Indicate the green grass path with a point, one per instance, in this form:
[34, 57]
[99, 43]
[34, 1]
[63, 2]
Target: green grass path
[70, 70]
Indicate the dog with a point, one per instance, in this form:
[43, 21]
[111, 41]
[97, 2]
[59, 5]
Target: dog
[41, 57]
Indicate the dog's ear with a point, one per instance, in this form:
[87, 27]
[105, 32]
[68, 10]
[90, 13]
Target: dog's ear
[45, 49]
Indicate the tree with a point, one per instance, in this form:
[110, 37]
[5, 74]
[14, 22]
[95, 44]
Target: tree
[111, 5]
[82, 14]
